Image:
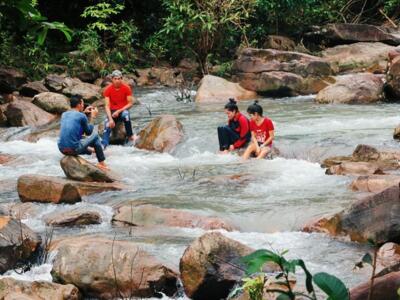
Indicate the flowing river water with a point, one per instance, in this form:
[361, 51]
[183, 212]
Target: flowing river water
[279, 196]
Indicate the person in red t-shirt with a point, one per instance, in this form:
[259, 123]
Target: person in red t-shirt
[236, 134]
[119, 99]
[262, 132]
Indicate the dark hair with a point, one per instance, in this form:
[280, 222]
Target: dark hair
[75, 100]
[255, 108]
[231, 105]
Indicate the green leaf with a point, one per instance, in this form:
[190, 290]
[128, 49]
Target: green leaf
[255, 261]
[309, 277]
[283, 297]
[42, 36]
[332, 286]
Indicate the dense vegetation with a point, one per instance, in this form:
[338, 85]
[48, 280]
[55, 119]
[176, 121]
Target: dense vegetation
[42, 36]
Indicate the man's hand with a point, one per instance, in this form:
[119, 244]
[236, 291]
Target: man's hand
[116, 114]
[94, 112]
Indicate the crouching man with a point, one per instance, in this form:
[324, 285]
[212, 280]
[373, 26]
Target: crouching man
[74, 123]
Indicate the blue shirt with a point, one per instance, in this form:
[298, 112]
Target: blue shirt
[73, 125]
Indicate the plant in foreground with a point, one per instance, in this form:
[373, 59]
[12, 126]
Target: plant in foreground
[333, 287]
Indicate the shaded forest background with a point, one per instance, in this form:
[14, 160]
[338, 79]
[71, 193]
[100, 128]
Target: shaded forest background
[40, 37]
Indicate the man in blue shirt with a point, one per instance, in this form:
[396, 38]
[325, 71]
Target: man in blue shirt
[74, 124]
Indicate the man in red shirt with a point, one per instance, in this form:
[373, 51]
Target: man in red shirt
[119, 99]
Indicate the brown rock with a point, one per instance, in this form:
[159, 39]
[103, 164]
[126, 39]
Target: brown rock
[330, 224]
[52, 102]
[78, 168]
[336, 160]
[118, 133]
[384, 288]
[54, 82]
[6, 159]
[22, 113]
[10, 80]
[365, 153]
[31, 89]
[217, 89]
[279, 42]
[355, 168]
[374, 183]
[17, 243]
[37, 290]
[49, 189]
[393, 79]
[19, 210]
[150, 215]
[73, 217]
[353, 89]
[396, 133]
[3, 117]
[281, 72]
[161, 135]
[344, 33]
[388, 255]
[89, 92]
[207, 266]
[138, 274]
[358, 57]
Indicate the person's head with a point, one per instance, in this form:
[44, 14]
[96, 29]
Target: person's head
[116, 78]
[255, 110]
[76, 102]
[231, 108]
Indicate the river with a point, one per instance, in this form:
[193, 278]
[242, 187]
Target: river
[279, 196]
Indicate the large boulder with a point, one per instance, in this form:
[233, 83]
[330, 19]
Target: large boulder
[49, 189]
[56, 83]
[20, 210]
[344, 33]
[388, 256]
[52, 102]
[150, 215]
[37, 290]
[217, 89]
[73, 217]
[10, 80]
[17, 243]
[161, 135]
[108, 269]
[89, 92]
[118, 133]
[22, 113]
[281, 72]
[354, 168]
[209, 266]
[373, 217]
[396, 133]
[384, 288]
[78, 168]
[33, 88]
[393, 78]
[374, 183]
[353, 89]
[358, 57]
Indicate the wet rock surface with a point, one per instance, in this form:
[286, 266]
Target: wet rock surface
[52, 102]
[17, 243]
[150, 215]
[73, 217]
[22, 113]
[33, 88]
[137, 274]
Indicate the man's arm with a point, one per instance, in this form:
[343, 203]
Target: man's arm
[87, 128]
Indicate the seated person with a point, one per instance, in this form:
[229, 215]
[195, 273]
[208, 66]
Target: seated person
[118, 100]
[236, 134]
[262, 133]
[74, 124]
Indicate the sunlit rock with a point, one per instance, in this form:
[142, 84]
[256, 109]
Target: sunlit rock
[279, 42]
[150, 215]
[36, 290]
[52, 102]
[78, 168]
[17, 243]
[354, 168]
[393, 77]
[281, 73]
[217, 89]
[358, 57]
[362, 88]
[162, 134]
[20, 210]
[374, 183]
[22, 113]
[74, 217]
[137, 273]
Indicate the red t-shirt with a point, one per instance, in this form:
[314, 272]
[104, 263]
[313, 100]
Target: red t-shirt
[262, 132]
[118, 97]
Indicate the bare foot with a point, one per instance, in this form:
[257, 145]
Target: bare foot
[102, 166]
